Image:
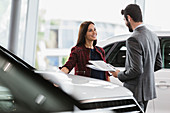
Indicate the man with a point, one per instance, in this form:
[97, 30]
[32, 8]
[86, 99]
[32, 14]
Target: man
[143, 57]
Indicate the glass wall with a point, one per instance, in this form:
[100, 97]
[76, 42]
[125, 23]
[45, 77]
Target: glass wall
[157, 14]
[5, 9]
[59, 21]
[22, 27]
[5, 13]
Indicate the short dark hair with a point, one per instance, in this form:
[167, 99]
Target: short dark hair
[82, 33]
[134, 11]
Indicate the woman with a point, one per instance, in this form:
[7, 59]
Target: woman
[84, 51]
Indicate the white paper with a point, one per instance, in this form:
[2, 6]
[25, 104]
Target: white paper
[100, 65]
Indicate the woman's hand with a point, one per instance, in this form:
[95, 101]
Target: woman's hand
[65, 70]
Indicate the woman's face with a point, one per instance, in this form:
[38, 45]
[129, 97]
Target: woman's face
[91, 33]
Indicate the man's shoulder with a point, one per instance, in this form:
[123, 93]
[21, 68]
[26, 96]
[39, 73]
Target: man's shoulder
[142, 32]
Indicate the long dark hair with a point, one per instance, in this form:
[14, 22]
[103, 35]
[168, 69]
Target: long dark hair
[82, 33]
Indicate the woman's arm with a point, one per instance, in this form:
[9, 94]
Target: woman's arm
[70, 64]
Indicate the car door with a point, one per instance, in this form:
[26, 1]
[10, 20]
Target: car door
[116, 55]
[162, 79]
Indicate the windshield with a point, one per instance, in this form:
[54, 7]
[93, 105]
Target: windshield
[23, 90]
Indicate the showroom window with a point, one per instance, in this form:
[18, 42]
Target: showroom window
[157, 14]
[5, 8]
[5, 13]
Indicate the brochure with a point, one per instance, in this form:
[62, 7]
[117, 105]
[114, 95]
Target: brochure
[100, 65]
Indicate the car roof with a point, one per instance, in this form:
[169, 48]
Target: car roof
[124, 37]
[113, 39]
[162, 33]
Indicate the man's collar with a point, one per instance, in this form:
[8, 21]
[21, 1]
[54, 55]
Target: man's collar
[139, 26]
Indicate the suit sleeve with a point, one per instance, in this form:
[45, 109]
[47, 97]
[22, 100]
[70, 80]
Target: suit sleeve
[158, 62]
[134, 58]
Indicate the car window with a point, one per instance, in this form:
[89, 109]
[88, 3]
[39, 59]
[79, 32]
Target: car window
[108, 48]
[165, 49]
[118, 55]
[166, 55]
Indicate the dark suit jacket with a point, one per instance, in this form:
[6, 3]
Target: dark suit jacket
[143, 57]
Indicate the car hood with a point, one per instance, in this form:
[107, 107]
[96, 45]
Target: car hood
[85, 88]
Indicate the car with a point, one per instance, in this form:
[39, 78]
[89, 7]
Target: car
[115, 50]
[24, 89]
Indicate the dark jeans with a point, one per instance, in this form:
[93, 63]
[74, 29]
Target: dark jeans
[143, 105]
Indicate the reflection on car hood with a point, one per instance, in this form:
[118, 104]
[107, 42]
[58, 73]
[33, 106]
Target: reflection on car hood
[84, 88]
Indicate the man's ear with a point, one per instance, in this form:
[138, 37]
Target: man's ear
[129, 18]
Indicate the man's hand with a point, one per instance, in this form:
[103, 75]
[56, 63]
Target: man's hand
[115, 73]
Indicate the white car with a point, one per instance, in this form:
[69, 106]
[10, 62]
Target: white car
[23, 89]
[116, 54]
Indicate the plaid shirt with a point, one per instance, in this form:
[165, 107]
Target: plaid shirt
[79, 57]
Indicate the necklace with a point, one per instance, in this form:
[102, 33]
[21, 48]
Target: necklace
[90, 47]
